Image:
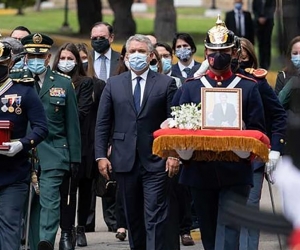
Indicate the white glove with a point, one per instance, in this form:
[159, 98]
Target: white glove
[203, 68]
[273, 160]
[15, 147]
[185, 154]
[242, 154]
[167, 123]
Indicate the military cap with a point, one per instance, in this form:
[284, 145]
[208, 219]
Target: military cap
[219, 37]
[5, 51]
[37, 43]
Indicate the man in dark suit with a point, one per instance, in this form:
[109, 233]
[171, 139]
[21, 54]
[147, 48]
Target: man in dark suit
[184, 48]
[61, 151]
[224, 113]
[15, 168]
[132, 106]
[240, 21]
[215, 182]
[105, 65]
[264, 21]
[105, 58]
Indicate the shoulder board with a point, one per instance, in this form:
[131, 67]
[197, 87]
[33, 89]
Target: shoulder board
[25, 81]
[246, 77]
[61, 74]
[259, 73]
[16, 70]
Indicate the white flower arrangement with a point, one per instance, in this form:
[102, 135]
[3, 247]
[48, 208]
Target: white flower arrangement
[186, 116]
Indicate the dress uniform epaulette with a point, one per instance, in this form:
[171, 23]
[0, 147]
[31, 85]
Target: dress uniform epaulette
[258, 73]
[246, 77]
[17, 70]
[25, 81]
[58, 73]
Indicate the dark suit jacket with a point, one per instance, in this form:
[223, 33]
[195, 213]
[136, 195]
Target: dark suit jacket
[249, 25]
[264, 10]
[176, 71]
[114, 60]
[132, 133]
[219, 116]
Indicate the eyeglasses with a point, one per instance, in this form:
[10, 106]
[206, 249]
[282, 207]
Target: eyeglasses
[98, 38]
[153, 62]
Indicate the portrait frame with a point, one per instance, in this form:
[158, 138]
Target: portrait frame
[221, 108]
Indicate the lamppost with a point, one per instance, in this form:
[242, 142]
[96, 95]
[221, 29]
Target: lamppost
[65, 26]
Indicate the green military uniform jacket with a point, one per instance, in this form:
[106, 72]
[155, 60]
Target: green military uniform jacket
[62, 145]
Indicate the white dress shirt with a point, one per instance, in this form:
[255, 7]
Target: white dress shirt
[142, 82]
[97, 62]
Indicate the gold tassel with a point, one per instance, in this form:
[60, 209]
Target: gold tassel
[209, 148]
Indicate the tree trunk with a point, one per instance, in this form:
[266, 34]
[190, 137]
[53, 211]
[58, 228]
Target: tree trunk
[37, 6]
[88, 12]
[165, 25]
[124, 25]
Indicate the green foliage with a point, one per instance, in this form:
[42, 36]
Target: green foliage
[18, 4]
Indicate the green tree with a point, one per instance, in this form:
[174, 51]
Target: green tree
[165, 25]
[18, 4]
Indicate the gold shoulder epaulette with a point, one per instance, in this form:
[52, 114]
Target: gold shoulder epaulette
[246, 77]
[61, 74]
[259, 73]
[24, 80]
[73, 85]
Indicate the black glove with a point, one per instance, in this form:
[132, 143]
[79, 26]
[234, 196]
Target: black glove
[74, 169]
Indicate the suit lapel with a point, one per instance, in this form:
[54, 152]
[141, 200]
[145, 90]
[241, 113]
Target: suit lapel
[150, 81]
[127, 83]
[48, 82]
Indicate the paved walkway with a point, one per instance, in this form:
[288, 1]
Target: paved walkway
[103, 240]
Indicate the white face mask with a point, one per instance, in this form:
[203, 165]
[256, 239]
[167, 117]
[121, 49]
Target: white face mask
[66, 66]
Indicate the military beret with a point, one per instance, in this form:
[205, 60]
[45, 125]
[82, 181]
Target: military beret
[5, 51]
[37, 43]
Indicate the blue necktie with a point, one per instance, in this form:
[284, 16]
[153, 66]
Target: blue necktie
[187, 71]
[103, 72]
[137, 95]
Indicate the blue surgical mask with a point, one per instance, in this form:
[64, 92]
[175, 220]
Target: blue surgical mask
[296, 60]
[19, 65]
[36, 65]
[138, 61]
[184, 54]
[153, 68]
[238, 6]
[167, 65]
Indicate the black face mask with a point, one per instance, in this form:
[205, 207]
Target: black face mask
[3, 72]
[100, 45]
[219, 60]
[234, 64]
[246, 64]
[85, 66]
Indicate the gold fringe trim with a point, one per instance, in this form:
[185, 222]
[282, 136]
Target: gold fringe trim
[210, 148]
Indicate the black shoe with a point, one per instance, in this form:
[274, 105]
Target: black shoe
[80, 236]
[121, 235]
[45, 245]
[66, 241]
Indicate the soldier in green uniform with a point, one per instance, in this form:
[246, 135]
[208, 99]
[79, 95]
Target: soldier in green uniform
[60, 152]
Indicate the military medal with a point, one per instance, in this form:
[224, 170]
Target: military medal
[11, 109]
[18, 110]
[4, 107]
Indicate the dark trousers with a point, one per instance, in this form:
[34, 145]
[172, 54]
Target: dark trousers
[145, 202]
[264, 38]
[12, 200]
[85, 196]
[120, 213]
[68, 192]
[215, 234]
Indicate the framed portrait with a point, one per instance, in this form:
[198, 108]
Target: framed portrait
[221, 108]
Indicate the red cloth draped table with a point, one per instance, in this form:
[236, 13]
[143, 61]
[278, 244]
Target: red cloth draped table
[211, 145]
